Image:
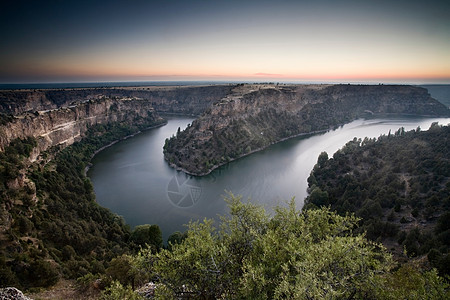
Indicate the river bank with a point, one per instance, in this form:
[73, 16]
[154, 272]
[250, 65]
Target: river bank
[135, 181]
[89, 165]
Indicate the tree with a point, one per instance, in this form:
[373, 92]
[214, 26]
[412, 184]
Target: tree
[119, 292]
[147, 235]
[175, 238]
[318, 197]
[409, 283]
[300, 255]
[120, 269]
[322, 159]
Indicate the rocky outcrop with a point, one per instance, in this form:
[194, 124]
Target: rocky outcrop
[11, 293]
[236, 120]
[64, 125]
[255, 116]
[167, 99]
[60, 117]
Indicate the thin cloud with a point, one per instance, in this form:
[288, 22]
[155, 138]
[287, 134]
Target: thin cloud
[267, 74]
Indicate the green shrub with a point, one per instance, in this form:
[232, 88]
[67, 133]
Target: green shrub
[118, 292]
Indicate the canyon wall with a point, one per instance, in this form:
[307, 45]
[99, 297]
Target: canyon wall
[236, 119]
[63, 126]
[255, 116]
[166, 99]
[60, 117]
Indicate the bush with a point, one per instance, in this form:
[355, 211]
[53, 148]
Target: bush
[309, 255]
[147, 234]
[118, 292]
[42, 274]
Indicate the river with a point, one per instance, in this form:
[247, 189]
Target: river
[132, 179]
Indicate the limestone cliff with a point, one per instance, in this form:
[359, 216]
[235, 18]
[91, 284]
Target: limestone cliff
[47, 205]
[255, 116]
[166, 99]
[59, 117]
[64, 125]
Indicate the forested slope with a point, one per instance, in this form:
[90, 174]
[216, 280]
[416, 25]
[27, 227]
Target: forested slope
[50, 226]
[398, 184]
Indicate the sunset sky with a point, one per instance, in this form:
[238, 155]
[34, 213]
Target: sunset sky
[303, 41]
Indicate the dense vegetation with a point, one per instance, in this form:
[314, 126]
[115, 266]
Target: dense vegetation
[51, 225]
[313, 254]
[399, 185]
[316, 254]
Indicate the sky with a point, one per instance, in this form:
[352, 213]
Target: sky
[376, 41]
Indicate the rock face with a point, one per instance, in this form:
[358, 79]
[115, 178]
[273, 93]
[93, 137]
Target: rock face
[254, 116]
[236, 120]
[11, 293]
[166, 99]
[60, 117]
[65, 125]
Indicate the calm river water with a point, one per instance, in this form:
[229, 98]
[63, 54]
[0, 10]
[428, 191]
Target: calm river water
[132, 179]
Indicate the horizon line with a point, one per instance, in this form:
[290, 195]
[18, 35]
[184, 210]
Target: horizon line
[254, 81]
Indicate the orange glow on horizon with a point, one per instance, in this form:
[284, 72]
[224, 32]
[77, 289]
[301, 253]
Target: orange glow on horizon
[91, 70]
[288, 41]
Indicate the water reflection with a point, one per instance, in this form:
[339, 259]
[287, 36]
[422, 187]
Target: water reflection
[132, 179]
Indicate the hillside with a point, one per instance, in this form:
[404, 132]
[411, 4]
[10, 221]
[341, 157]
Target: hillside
[440, 92]
[52, 228]
[256, 116]
[65, 125]
[50, 224]
[398, 184]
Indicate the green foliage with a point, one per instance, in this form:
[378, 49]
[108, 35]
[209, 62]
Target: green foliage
[175, 238]
[7, 276]
[318, 197]
[11, 163]
[38, 273]
[119, 292]
[391, 182]
[147, 235]
[323, 158]
[410, 283]
[68, 233]
[311, 255]
[121, 269]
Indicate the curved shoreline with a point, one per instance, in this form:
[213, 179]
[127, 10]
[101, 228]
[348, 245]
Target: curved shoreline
[251, 152]
[214, 167]
[89, 165]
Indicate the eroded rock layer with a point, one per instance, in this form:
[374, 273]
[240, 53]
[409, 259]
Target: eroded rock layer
[63, 126]
[255, 116]
[60, 117]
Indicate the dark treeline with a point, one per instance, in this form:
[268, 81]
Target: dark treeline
[399, 185]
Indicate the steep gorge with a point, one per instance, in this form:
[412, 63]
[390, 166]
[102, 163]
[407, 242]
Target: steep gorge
[65, 125]
[167, 99]
[253, 117]
[50, 224]
[60, 117]
[48, 206]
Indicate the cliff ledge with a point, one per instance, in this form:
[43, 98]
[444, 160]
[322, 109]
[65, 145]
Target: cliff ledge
[254, 116]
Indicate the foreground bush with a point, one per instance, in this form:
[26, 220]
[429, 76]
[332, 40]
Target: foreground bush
[292, 255]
